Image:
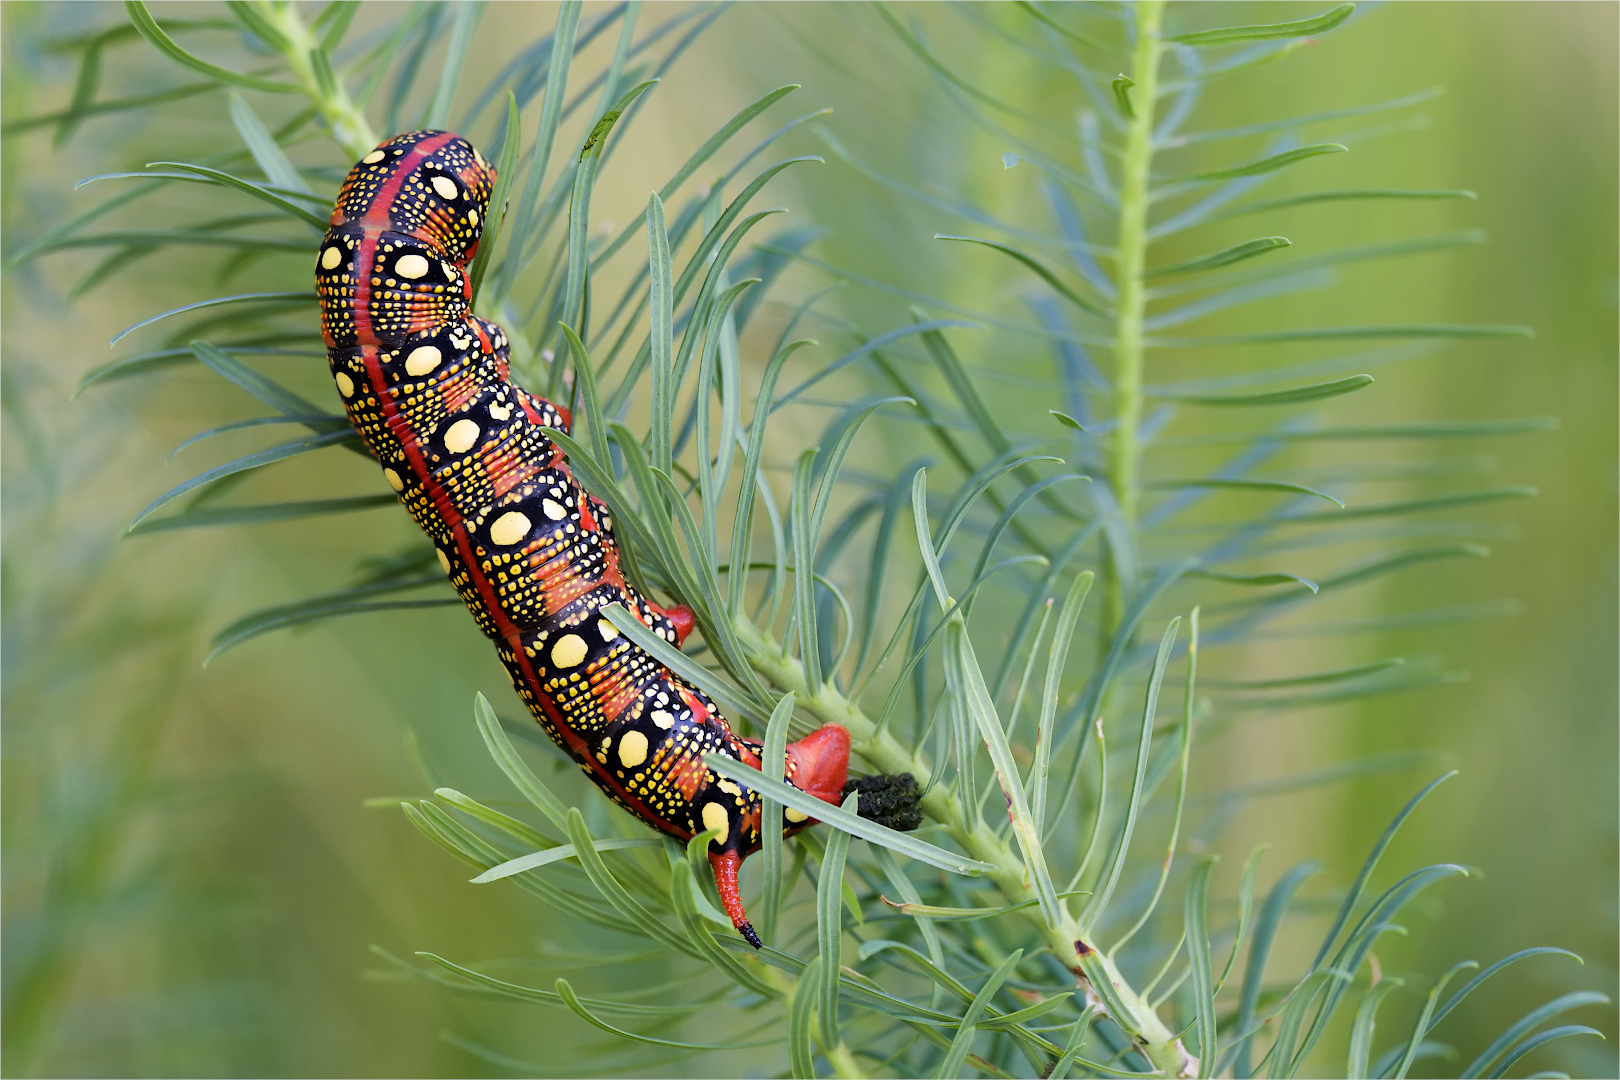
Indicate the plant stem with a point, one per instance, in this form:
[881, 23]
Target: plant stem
[979, 840]
[344, 120]
[1124, 451]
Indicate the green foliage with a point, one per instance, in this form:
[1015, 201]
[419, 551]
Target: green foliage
[656, 358]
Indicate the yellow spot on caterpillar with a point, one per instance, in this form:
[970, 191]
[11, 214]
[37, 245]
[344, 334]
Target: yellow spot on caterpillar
[330, 258]
[397, 484]
[553, 510]
[373, 157]
[423, 360]
[500, 412]
[444, 560]
[411, 266]
[633, 749]
[472, 218]
[569, 651]
[446, 187]
[663, 719]
[797, 816]
[345, 384]
[715, 817]
[509, 528]
[606, 629]
[730, 789]
[461, 436]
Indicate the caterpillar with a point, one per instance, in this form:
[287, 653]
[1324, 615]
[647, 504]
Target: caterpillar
[427, 386]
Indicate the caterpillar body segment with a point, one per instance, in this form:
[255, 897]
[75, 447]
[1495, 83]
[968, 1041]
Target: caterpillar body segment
[533, 555]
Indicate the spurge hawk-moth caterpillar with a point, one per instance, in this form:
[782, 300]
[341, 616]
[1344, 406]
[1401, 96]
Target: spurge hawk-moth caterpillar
[426, 384]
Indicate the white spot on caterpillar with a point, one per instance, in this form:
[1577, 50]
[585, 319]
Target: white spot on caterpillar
[606, 629]
[461, 436]
[411, 266]
[570, 651]
[422, 360]
[509, 528]
[500, 412]
[345, 384]
[399, 485]
[331, 257]
[715, 817]
[730, 789]
[472, 218]
[446, 187]
[373, 157]
[663, 719]
[444, 560]
[796, 816]
[632, 749]
[553, 510]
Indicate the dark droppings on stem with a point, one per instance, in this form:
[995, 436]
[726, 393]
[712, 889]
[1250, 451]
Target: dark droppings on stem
[891, 801]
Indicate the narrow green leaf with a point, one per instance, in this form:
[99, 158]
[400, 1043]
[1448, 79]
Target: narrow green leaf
[1532, 1043]
[1413, 331]
[517, 830]
[1265, 933]
[517, 771]
[615, 894]
[566, 993]
[537, 859]
[1291, 396]
[1067, 421]
[1133, 808]
[983, 711]
[743, 523]
[1446, 501]
[1335, 675]
[1342, 195]
[1278, 578]
[242, 464]
[801, 1054]
[1057, 659]
[1265, 165]
[201, 174]
[1040, 269]
[683, 893]
[1121, 86]
[1102, 986]
[265, 389]
[963, 1040]
[829, 925]
[267, 153]
[1353, 897]
[773, 762]
[495, 218]
[1496, 1058]
[1414, 1043]
[1232, 35]
[466, 16]
[1243, 485]
[1235, 254]
[661, 335]
[1203, 979]
[243, 298]
[804, 584]
[1245, 910]
[259, 514]
[870, 831]
[1361, 1031]
[152, 32]
[1472, 984]
[693, 672]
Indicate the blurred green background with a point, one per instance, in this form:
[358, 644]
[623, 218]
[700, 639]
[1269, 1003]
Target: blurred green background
[191, 882]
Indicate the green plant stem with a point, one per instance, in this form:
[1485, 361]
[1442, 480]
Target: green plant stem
[1132, 242]
[344, 119]
[979, 840]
